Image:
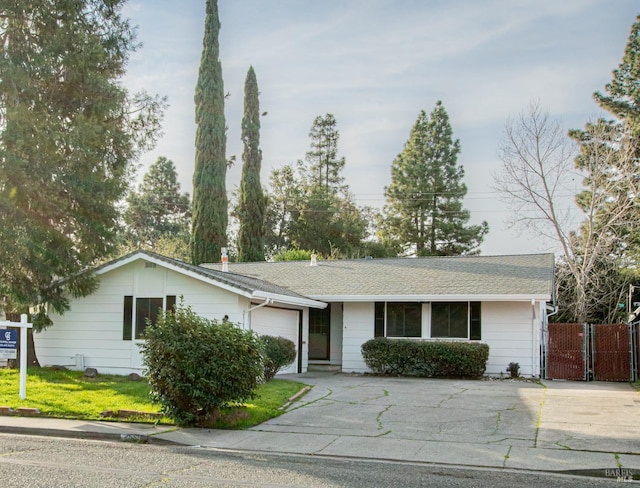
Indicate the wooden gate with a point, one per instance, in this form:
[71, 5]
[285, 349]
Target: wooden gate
[566, 352]
[611, 352]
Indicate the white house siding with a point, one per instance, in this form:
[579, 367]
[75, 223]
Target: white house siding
[92, 329]
[358, 328]
[278, 322]
[507, 328]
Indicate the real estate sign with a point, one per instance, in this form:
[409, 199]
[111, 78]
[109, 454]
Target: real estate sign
[8, 344]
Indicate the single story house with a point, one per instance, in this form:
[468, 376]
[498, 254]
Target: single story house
[328, 308]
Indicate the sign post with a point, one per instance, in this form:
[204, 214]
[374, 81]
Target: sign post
[9, 344]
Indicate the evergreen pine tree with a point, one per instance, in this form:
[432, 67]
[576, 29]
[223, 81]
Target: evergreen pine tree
[323, 167]
[424, 211]
[323, 216]
[210, 201]
[251, 208]
[622, 95]
[609, 157]
[67, 141]
[158, 208]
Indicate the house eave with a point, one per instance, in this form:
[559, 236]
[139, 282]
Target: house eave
[433, 298]
[299, 302]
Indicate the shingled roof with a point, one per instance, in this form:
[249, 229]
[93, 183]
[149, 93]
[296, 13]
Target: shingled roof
[249, 286]
[514, 277]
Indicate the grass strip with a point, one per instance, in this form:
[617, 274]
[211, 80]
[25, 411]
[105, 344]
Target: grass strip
[71, 395]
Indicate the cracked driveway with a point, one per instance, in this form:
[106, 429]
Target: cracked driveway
[476, 416]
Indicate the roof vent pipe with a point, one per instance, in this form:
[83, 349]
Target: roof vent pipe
[225, 260]
[314, 260]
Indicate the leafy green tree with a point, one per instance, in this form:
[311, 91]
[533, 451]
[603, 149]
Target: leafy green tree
[210, 201]
[282, 208]
[311, 208]
[424, 211]
[328, 222]
[158, 208]
[69, 131]
[251, 209]
[295, 254]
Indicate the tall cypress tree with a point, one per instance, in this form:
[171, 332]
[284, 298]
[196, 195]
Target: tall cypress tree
[252, 202]
[209, 186]
[424, 210]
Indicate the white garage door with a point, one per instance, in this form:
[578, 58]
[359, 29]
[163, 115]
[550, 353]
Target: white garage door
[277, 322]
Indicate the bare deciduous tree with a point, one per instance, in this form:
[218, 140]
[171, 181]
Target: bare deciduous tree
[538, 169]
[537, 174]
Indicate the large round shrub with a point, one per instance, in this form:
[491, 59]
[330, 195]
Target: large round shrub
[279, 353]
[196, 366]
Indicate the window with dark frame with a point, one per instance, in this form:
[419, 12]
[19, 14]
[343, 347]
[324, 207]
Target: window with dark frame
[456, 320]
[398, 319]
[146, 308]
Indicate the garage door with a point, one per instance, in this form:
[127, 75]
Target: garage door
[277, 322]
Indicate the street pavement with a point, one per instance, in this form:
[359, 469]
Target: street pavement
[578, 427]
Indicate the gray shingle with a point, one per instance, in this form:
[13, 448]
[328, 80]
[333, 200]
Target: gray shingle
[530, 274]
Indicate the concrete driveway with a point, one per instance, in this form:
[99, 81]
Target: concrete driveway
[551, 426]
[493, 421]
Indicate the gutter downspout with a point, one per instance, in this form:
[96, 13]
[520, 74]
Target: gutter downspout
[533, 338]
[246, 322]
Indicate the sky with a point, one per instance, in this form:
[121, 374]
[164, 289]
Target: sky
[374, 65]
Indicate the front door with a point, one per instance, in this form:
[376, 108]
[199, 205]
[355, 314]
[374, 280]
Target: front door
[319, 333]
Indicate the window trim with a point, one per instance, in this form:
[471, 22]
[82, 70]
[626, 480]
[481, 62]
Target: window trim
[474, 321]
[130, 329]
[381, 320]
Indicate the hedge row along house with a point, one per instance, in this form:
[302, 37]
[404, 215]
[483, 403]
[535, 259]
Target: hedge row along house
[327, 308]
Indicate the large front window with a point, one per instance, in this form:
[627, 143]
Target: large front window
[398, 319]
[456, 320]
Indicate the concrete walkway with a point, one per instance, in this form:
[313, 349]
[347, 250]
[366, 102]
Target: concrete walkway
[549, 426]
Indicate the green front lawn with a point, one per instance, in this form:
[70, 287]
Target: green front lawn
[71, 395]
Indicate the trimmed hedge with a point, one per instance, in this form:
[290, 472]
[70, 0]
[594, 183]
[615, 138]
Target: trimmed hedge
[430, 359]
